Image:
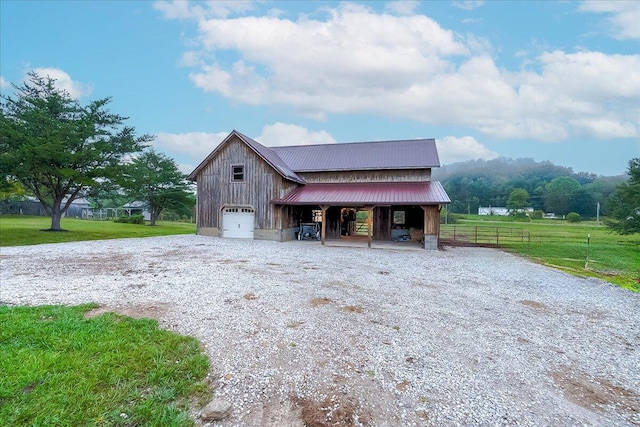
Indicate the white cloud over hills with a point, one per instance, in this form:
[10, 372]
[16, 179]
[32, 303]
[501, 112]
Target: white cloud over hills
[452, 149]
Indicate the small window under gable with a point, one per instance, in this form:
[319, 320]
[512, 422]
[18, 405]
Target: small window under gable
[237, 173]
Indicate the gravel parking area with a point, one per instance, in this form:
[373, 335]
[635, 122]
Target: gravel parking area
[301, 334]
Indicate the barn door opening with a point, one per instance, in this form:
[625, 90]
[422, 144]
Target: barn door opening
[355, 222]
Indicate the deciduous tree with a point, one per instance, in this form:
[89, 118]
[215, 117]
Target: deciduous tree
[559, 194]
[518, 200]
[155, 179]
[58, 148]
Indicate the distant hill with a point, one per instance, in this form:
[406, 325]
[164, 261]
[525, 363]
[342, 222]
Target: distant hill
[489, 182]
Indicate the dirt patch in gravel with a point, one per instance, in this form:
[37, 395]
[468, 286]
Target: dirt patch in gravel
[136, 311]
[532, 304]
[331, 412]
[598, 393]
[315, 302]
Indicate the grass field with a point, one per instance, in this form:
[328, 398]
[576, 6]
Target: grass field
[563, 245]
[25, 230]
[60, 369]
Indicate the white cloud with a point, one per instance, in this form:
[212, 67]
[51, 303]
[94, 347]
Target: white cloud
[402, 7]
[357, 61]
[468, 4]
[63, 81]
[624, 16]
[184, 9]
[4, 84]
[190, 149]
[281, 134]
[194, 146]
[452, 149]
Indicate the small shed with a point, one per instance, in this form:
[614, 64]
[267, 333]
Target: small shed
[137, 208]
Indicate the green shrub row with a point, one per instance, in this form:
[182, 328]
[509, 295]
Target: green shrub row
[133, 219]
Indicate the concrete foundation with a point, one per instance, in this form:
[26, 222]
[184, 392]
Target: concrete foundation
[208, 231]
[431, 242]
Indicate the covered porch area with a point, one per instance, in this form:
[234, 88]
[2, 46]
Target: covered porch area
[397, 212]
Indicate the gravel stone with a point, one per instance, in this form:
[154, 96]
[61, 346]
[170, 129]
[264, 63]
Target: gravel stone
[303, 334]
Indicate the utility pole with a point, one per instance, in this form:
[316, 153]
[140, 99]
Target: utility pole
[598, 213]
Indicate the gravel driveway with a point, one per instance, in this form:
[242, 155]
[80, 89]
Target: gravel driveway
[298, 333]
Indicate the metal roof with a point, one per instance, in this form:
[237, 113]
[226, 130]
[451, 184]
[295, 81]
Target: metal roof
[401, 154]
[267, 154]
[367, 193]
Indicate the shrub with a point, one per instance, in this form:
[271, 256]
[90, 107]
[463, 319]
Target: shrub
[520, 216]
[132, 219]
[537, 214]
[451, 219]
[573, 217]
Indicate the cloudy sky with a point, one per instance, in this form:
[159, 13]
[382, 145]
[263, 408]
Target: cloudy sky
[556, 81]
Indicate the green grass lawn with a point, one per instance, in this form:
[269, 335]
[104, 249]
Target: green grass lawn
[58, 368]
[564, 245]
[26, 230]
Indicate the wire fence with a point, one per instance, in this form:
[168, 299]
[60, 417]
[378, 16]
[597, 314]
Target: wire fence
[483, 235]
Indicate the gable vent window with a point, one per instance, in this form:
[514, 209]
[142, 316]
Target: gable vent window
[237, 173]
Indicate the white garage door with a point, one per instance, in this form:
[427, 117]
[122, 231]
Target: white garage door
[238, 223]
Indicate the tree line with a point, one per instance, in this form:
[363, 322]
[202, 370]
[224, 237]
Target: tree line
[542, 185]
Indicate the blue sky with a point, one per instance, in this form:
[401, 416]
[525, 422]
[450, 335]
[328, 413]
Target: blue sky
[557, 81]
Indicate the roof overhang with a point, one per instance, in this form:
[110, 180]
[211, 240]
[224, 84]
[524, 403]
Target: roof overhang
[367, 194]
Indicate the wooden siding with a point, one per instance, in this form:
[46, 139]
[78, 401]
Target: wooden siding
[382, 223]
[384, 175]
[261, 184]
[431, 220]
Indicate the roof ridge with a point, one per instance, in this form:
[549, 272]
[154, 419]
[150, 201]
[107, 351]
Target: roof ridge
[271, 157]
[382, 141]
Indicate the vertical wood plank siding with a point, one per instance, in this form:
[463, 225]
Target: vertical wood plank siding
[431, 220]
[384, 175]
[261, 184]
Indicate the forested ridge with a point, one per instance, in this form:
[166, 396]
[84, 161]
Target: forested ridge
[551, 188]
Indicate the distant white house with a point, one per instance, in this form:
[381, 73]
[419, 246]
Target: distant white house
[501, 211]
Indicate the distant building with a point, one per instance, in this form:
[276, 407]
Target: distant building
[138, 208]
[32, 206]
[501, 211]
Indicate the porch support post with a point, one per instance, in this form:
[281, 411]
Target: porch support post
[370, 226]
[431, 226]
[324, 222]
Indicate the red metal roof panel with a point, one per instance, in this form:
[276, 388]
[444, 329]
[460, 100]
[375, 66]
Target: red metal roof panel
[367, 193]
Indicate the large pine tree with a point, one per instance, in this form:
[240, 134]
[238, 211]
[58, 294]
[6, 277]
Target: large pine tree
[624, 204]
[57, 148]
